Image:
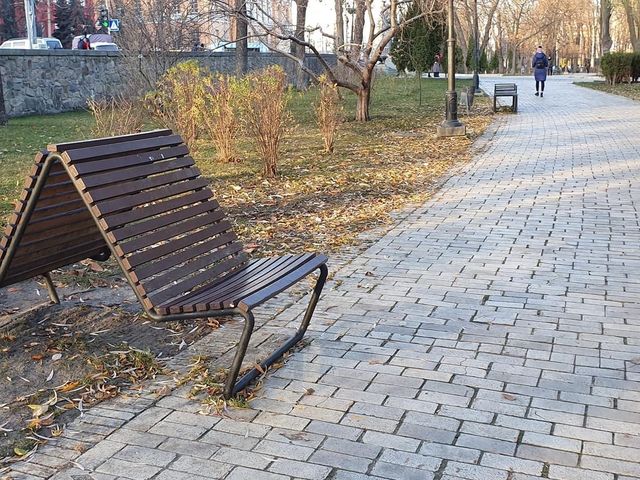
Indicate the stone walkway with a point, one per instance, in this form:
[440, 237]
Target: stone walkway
[493, 334]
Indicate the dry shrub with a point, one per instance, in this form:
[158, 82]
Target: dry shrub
[220, 116]
[328, 110]
[265, 113]
[116, 116]
[178, 99]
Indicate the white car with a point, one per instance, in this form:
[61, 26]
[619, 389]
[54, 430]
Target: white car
[47, 43]
[104, 47]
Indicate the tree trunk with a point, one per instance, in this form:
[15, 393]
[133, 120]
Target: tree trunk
[339, 42]
[3, 112]
[605, 26]
[299, 50]
[514, 61]
[632, 25]
[358, 30]
[241, 37]
[364, 98]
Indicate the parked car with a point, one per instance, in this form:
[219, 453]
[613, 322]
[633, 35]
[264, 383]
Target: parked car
[46, 43]
[94, 39]
[104, 46]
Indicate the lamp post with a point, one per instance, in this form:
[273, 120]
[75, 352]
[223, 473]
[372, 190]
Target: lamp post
[476, 49]
[451, 126]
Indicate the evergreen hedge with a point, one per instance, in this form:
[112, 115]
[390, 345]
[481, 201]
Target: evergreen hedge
[618, 67]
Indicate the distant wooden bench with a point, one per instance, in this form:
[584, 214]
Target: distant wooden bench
[141, 198]
[506, 90]
[467, 97]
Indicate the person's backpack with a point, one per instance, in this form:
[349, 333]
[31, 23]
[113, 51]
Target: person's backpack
[540, 62]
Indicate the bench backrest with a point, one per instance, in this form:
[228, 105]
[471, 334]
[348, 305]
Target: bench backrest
[59, 231]
[505, 87]
[155, 212]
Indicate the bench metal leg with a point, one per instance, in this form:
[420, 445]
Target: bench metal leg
[53, 294]
[231, 386]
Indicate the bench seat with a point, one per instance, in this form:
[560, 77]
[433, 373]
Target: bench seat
[506, 90]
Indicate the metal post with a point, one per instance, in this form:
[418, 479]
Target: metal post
[451, 126]
[30, 17]
[49, 25]
[476, 49]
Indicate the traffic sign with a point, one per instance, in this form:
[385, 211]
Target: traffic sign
[114, 25]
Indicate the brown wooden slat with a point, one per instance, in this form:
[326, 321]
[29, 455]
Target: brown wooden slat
[147, 211]
[225, 298]
[189, 253]
[45, 211]
[168, 295]
[257, 298]
[130, 201]
[252, 270]
[233, 298]
[97, 166]
[173, 275]
[159, 222]
[60, 147]
[49, 192]
[127, 174]
[57, 220]
[14, 277]
[98, 194]
[57, 175]
[249, 268]
[144, 256]
[58, 198]
[31, 263]
[87, 224]
[162, 234]
[120, 148]
[44, 245]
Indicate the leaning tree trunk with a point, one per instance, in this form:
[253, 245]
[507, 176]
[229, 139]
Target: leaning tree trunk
[3, 112]
[241, 37]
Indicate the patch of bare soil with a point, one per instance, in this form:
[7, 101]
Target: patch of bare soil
[56, 360]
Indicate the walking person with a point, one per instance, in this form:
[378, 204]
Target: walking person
[436, 69]
[540, 63]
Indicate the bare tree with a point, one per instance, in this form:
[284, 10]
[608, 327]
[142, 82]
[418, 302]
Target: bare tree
[360, 56]
[153, 32]
[241, 37]
[297, 49]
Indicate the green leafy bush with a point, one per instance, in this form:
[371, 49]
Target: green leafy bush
[618, 67]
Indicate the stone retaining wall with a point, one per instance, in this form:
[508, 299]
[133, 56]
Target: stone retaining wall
[54, 81]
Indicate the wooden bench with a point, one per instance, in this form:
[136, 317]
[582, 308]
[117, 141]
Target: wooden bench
[506, 90]
[140, 198]
[467, 97]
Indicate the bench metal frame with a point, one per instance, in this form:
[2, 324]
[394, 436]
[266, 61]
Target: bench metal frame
[232, 385]
[506, 90]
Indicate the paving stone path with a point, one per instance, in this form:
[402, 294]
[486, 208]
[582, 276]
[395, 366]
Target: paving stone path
[492, 334]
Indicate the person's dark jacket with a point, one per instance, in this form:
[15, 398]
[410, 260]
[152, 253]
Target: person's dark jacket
[540, 63]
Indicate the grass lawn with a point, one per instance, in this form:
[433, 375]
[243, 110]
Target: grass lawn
[629, 90]
[318, 202]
